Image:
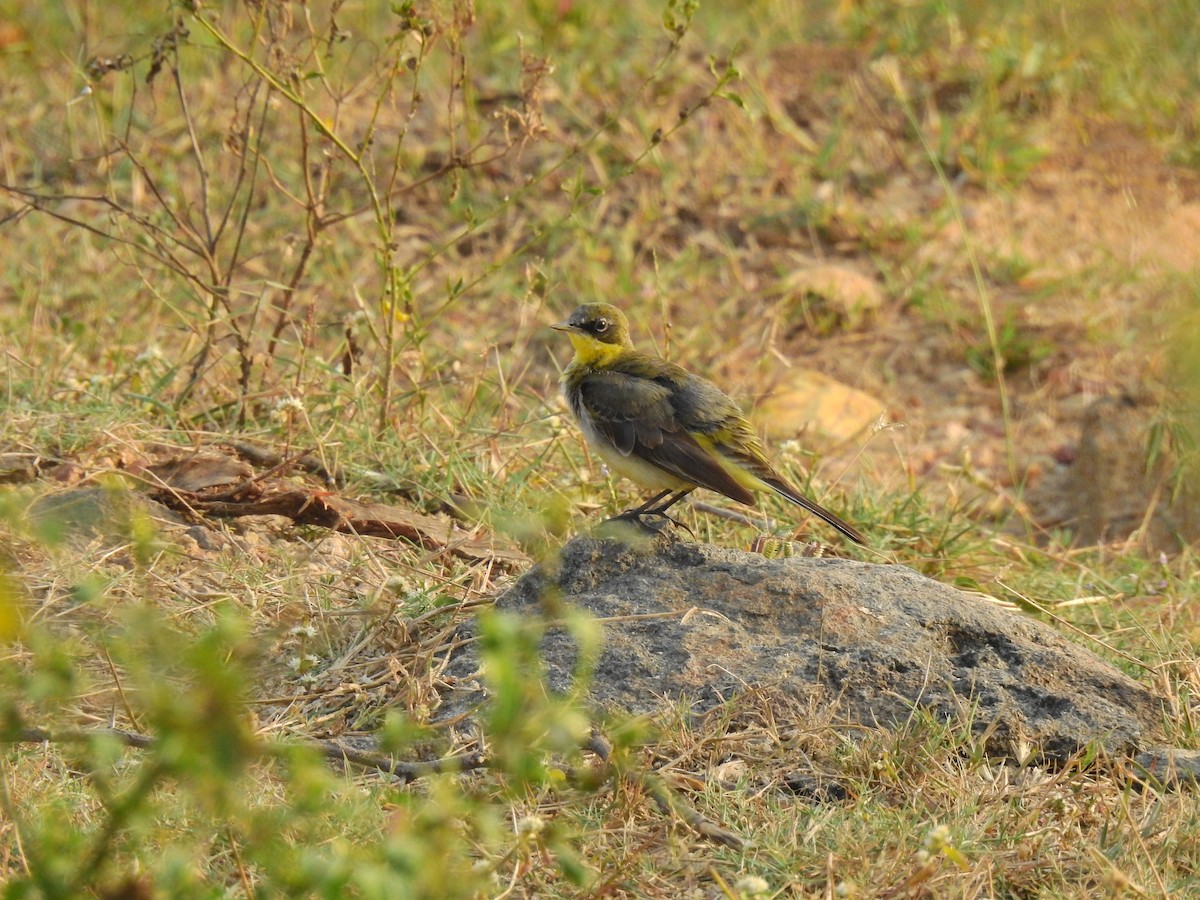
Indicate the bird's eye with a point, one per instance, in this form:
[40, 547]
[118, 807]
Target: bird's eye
[601, 326]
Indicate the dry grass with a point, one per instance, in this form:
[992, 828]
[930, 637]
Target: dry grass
[381, 303]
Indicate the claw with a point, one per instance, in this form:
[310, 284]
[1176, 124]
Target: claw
[639, 517]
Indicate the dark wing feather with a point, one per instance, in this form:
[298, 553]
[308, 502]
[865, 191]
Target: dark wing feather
[637, 414]
[785, 490]
[704, 408]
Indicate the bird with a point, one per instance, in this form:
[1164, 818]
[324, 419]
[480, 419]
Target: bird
[662, 427]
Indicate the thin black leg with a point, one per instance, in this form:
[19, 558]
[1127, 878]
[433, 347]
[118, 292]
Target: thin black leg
[655, 506]
[645, 508]
[661, 510]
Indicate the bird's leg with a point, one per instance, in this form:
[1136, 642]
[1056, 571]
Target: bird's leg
[645, 509]
[654, 508]
[661, 510]
[637, 515]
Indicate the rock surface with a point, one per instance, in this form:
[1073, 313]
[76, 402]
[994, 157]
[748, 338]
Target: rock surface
[697, 623]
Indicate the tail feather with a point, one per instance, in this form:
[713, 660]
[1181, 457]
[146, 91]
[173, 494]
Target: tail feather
[789, 493]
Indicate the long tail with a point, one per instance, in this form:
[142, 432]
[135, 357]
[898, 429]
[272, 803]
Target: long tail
[783, 489]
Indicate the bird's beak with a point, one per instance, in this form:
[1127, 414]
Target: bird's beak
[565, 326]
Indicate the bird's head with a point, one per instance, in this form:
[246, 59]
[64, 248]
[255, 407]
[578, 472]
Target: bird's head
[598, 331]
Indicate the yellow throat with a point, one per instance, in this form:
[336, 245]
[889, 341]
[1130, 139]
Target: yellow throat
[591, 352]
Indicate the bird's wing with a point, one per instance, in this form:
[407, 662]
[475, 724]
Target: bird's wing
[637, 414]
[704, 409]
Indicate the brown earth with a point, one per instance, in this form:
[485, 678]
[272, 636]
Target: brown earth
[1104, 230]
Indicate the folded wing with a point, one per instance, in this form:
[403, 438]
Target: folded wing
[639, 416]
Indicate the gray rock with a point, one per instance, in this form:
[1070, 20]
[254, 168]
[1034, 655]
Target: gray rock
[88, 512]
[1168, 766]
[698, 623]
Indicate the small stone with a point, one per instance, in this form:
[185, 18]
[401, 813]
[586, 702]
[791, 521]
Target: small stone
[730, 772]
[18, 468]
[809, 402]
[90, 512]
[209, 539]
[817, 789]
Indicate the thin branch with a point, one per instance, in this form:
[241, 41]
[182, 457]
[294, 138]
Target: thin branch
[270, 78]
[244, 142]
[182, 223]
[120, 814]
[45, 736]
[314, 209]
[159, 253]
[197, 153]
[671, 804]
[402, 771]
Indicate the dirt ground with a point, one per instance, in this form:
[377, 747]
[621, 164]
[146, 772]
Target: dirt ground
[1103, 228]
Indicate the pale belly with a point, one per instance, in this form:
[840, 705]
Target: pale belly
[636, 470]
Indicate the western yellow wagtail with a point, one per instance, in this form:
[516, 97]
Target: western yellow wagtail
[662, 427]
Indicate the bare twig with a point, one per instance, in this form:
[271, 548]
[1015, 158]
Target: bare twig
[401, 770]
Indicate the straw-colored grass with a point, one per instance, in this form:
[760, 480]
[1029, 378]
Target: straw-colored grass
[341, 229]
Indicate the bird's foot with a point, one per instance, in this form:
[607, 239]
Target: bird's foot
[646, 521]
[673, 521]
[652, 521]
